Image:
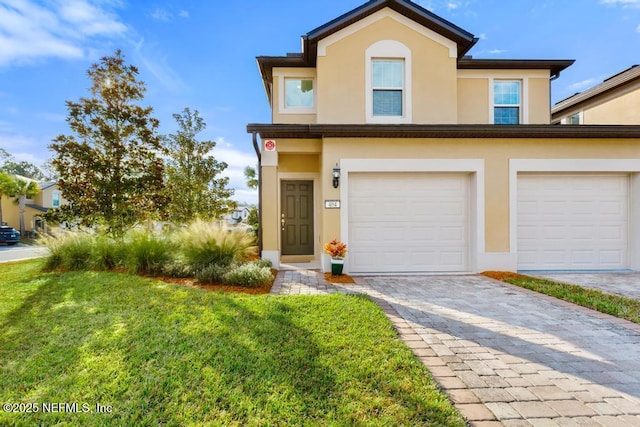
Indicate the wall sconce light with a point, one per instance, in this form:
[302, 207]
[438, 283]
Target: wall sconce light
[336, 176]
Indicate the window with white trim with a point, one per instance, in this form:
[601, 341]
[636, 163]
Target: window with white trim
[388, 87]
[507, 102]
[574, 119]
[298, 93]
[55, 198]
[388, 82]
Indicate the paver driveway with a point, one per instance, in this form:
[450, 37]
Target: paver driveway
[507, 356]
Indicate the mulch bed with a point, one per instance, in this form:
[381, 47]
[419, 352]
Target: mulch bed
[343, 279]
[219, 287]
[501, 275]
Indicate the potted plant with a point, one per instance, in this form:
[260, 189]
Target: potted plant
[337, 250]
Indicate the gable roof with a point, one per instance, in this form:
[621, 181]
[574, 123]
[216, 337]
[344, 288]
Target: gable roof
[617, 82]
[47, 184]
[463, 39]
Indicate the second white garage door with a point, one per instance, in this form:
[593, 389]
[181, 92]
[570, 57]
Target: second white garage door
[573, 222]
[408, 222]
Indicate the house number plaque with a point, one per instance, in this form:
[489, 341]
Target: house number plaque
[332, 204]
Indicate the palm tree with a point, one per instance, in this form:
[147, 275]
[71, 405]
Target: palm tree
[252, 179]
[25, 189]
[7, 188]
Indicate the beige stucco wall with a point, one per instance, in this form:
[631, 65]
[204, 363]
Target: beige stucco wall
[496, 155]
[622, 110]
[539, 100]
[11, 214]
[279, 114]
[45, 197]
[342, 75]
[473, 101]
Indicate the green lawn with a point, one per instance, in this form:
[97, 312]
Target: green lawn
[160, 354]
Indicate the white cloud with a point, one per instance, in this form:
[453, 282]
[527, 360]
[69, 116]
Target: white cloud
[491, 52]
[623, 3]
[581, 85]
[51, 117]
[158, 64]
[161, 15]
[452, 5]
[17, 146]
[236, 160]
[65, 29]
[483, 36]
[638, 29]
[164, 15]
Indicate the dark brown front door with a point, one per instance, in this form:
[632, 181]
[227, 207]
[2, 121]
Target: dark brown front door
[296, 220]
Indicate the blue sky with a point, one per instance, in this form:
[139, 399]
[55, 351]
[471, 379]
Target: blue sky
[201, 54]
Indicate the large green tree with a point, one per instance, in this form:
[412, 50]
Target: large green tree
[194, 179]
[111, 170]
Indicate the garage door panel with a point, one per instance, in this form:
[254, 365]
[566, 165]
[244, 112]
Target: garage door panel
[572, 221]
[419, 222]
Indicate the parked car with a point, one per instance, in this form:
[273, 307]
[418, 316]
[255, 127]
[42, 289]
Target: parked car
[9, 235]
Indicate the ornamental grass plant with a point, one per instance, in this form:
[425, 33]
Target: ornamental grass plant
[204, 243]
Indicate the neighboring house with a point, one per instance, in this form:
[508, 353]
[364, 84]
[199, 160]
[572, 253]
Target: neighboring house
[238, 216]
[49, 197]
[385, 135]
[615, 101]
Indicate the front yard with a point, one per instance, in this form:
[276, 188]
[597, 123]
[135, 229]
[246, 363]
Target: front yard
[154, 353]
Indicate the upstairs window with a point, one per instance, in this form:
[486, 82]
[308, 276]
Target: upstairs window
[388, 87]
[574, 120]
[298, 93]
[506, 102]
[55, 198]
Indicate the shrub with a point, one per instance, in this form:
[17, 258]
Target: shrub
[176, 268]
[213, 273]
[69, 252]
[108, 254]
[148, 253]
[206, 243]
[249, 274]
[264, 263]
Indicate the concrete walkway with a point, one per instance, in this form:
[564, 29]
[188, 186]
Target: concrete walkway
[626, 284]
[505, 355]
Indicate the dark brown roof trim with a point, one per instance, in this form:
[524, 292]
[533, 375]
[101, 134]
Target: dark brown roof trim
[317, 131]
[464, 39]
[555, 66]
[267, 63]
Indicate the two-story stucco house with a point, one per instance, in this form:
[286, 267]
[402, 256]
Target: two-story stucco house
[49, 197]
[615, 101]
[386, 135]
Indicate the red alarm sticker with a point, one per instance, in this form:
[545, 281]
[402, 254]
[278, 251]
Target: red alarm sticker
[270, 145]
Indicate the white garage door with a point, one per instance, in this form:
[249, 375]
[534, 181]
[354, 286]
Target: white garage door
[408, 222]
[572, 222]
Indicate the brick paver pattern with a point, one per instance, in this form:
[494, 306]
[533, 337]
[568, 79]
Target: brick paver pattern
[505, 355]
